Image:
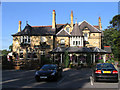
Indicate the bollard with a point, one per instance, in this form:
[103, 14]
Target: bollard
[91, 80]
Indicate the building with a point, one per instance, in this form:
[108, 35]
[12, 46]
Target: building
[34, 41]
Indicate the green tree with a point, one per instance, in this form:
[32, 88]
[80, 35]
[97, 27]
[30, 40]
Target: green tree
[4, 52]
[115, 21]
[112, 36]
[10, 48]
[66, 58]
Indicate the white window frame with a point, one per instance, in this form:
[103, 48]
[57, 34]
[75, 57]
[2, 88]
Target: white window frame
[22, 39]
[76, 41]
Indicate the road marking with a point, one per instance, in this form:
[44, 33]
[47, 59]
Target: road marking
[9, 81]
[33, 85]
[61, 80]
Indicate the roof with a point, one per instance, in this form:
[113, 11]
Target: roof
[39, 30]
[108, 49]
[92, 29]
[76, 31]
[78, 50]
[72, 50]
[98, 50]
[47, 30]
[96, 26]
[63, 32]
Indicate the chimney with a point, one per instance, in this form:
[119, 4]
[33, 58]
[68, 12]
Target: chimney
[100, 26]
[19, 28]
[72, 19]
[53, 20]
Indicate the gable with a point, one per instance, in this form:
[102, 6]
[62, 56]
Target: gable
[63, 32]
[86, 26]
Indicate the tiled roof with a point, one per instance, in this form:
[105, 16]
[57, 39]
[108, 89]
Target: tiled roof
[47, 30]
[39, 30]
[78, 50]
[96, 26]
[76, 31]
[63, 33]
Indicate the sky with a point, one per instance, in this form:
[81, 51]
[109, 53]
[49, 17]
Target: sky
[40, 13]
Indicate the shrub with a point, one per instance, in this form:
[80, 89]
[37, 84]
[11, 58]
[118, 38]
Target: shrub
[66, 58]
[100, 61]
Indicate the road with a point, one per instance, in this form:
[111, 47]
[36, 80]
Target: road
[71, 79]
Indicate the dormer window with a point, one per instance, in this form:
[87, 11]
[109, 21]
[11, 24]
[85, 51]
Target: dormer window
[25, 39]
[67, 29]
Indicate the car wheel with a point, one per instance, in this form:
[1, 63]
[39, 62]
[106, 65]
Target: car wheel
[95, 80]
[61, 74]
[56, 78]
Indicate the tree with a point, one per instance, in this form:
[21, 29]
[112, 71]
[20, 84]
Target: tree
[4, 52]
[66, 58]
[10, 48]
[115, 21]
[112, 36]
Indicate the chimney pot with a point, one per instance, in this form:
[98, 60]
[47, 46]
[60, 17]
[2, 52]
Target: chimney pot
[20, 22]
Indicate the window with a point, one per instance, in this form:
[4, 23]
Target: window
[29, 55]
[42, 52]
[86, 36]
[21, 54]
[73, 42]
[34, 55]
[76, 42]
[62, 41]
[67, 29]
[25, 39]
[43, 39]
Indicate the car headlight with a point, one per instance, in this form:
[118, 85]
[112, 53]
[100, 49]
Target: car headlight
[36, 73]
[53, 73]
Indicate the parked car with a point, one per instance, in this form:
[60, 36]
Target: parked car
[48, 72]
[105, 72]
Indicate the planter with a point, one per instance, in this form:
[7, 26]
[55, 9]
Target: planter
[17, 67]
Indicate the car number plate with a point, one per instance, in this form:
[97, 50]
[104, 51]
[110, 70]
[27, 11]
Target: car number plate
[106, 71]
[43, 77]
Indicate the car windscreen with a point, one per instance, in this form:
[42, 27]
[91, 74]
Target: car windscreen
[49, 67]
[105, 66]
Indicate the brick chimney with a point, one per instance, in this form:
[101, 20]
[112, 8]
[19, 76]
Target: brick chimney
[19, 28]
[53, 20]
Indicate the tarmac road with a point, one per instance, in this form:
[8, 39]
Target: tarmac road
[72, 78]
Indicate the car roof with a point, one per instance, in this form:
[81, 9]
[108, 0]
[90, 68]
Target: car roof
[50, 65]
[104, 64]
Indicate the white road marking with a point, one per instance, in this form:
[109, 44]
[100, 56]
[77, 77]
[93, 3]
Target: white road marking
[9, 81]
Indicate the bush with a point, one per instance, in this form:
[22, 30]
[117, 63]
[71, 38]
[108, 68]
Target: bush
[100, 61]
[110, 61]
[66, 58]
[45, 60]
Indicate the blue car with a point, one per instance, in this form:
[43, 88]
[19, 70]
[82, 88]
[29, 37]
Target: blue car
[48, 72]
[105, 72]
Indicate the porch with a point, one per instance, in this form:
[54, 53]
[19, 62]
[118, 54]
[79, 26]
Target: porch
[79, 55]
